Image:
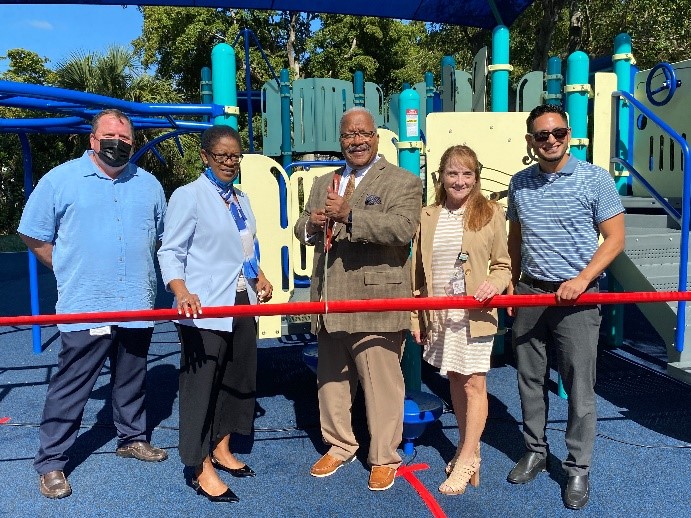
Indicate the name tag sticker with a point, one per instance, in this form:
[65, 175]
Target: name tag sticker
[99, 331]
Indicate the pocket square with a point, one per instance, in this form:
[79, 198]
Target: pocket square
[372, 200]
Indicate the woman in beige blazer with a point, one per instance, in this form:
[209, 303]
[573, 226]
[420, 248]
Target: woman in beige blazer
[461, 249]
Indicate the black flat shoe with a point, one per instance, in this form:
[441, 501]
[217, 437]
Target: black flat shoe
[577, 492]
[242, 472]
[228, 496]
[526, 469]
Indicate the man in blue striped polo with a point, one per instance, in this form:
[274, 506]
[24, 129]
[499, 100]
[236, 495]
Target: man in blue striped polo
[557, 208]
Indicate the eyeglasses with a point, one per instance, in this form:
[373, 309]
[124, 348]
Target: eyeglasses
[222, 158]
[543, 136]
[363, 134]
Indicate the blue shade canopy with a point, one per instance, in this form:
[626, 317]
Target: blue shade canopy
[474, 13]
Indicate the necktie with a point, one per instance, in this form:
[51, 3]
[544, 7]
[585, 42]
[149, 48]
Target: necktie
[350, 187]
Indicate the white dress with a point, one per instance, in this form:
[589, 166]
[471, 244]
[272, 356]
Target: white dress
[449, 346]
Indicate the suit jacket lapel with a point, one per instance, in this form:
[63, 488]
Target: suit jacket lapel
[356, 199]
[374, 172]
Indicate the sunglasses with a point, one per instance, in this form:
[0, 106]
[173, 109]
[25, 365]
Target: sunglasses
[543, 136]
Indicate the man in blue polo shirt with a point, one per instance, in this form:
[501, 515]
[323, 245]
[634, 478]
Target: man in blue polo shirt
[95, 222]
[557, 209]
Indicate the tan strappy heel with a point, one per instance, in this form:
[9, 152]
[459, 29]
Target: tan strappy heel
[452, 463]
[459, 478]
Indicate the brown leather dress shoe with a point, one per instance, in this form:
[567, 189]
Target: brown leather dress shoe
[328, 465]
[141, 450]
[54, 484]
[381, 478]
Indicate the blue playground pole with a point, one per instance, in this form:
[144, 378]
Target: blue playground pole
[622, 69]
[501, 67]
[448, 84]
[409, 158]
[206, 95]
[554, 81]
[429, 92]
[359, 88]
[286, 144]
[223, 83]
[577, 89]
[33, 265]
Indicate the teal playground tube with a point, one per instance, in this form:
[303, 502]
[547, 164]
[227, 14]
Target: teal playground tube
[409, 158]
[554, 80]
[429, 92]
[448, 83]
[223, 84]
[500, 69]
[577, 94]
[358, 88]
[621, 64]
[286, 144]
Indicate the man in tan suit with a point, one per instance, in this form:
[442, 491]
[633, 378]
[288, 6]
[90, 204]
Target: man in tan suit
[362, 251]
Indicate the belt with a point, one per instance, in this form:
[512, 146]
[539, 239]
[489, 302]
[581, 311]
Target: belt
[548, 286]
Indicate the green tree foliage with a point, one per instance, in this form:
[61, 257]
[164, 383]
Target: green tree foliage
[25, 66]
[659, 30]
[179, 41]
[383, 49]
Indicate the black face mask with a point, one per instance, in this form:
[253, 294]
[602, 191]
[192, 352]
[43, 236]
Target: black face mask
[114, 152]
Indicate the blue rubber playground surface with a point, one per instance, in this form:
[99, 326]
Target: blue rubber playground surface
[642, 461]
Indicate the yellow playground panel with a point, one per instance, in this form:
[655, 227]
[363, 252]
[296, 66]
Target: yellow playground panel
[260, 182]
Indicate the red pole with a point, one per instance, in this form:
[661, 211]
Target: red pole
[350, 306]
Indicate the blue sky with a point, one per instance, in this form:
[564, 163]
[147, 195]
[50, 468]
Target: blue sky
[57, 31]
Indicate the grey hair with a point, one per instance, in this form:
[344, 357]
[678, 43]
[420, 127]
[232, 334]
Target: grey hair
[357, 109]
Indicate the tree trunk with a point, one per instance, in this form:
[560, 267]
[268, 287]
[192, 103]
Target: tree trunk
[545, 32]
[576, 24]
[293, 64]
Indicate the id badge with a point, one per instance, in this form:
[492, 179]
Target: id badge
[456, 285]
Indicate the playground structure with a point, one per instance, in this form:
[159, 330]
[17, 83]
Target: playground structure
[638, 134]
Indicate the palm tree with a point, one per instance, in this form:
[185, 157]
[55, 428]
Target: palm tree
[119, 74]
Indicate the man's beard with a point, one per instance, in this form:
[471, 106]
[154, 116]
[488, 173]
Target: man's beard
[544, 158]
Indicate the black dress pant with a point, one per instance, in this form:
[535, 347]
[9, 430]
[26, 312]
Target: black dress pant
[81, 358]
[218, 385]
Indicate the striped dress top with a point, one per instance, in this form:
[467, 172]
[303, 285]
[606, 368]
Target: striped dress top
[449, 346]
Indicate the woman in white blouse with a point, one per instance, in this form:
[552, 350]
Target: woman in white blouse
[210, 257]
